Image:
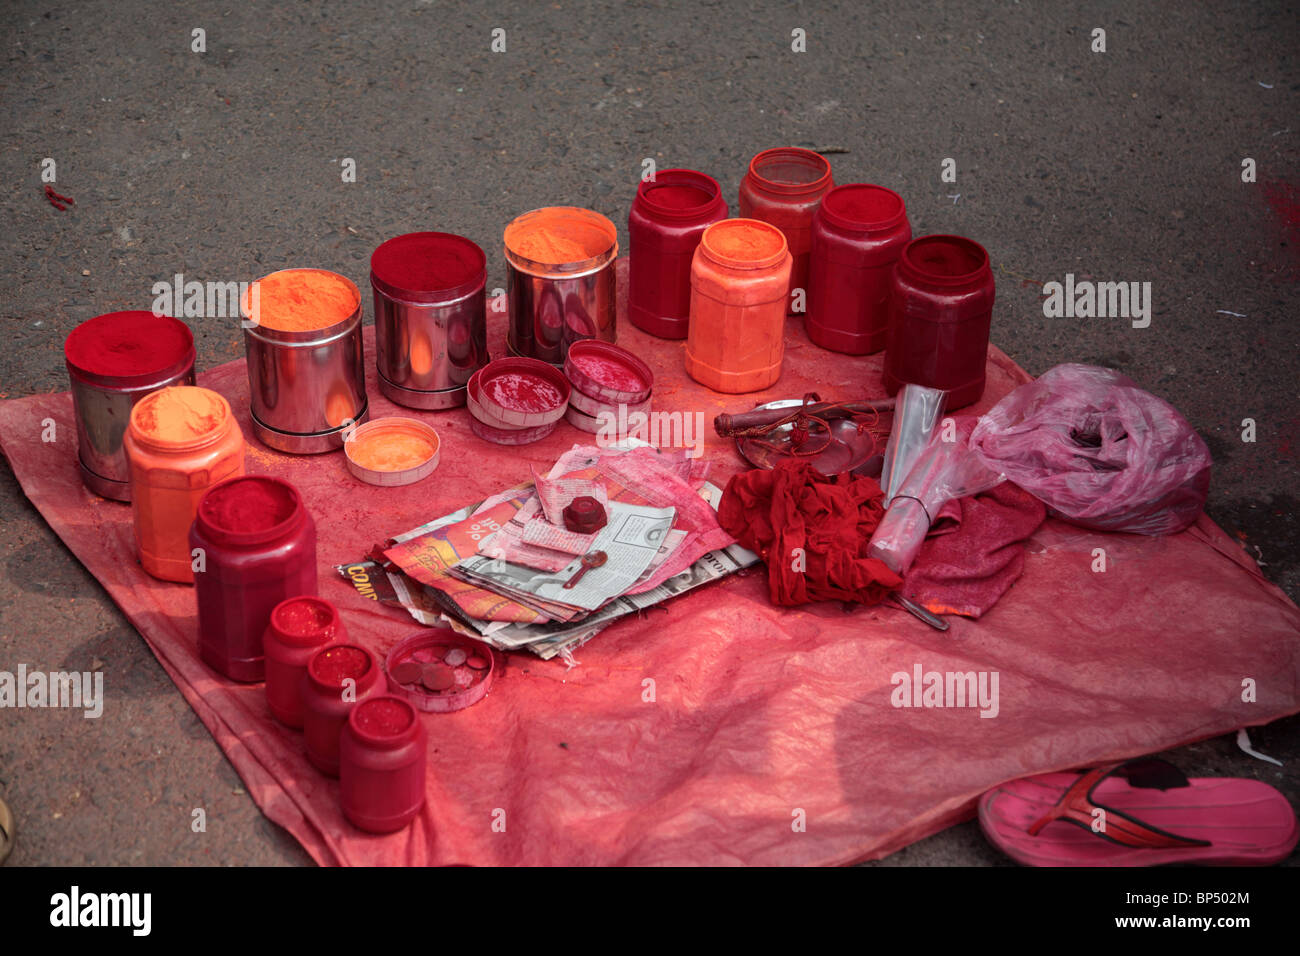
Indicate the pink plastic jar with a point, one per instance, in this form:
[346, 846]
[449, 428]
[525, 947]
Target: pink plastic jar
[383, 753]
[940, 311]
[668, 216]
[299, 627]
[338, 677]
[784, 186]
[858, 233]
[258, 546]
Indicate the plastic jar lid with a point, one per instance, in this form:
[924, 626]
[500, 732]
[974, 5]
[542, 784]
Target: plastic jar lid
[418, 667]
[744, 244]
[520, 392]
[944, 260]
[392, 451]
[607, 372]
[560, 240]
[428, 267]
[679, 193]
[129, 348]
[863, 207]
[790, 169]
[509, 436]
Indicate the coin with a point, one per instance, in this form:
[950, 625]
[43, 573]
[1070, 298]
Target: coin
[456, 656]
[438, 677]
[406, 672]
[478, 663]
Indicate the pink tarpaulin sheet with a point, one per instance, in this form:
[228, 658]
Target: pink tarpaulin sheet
[721, 729]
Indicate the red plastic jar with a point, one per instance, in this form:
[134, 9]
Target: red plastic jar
[383, 753]
[939, 316]
[858, 233]
[299, 627]
[259, 547]
[668, 216]
[784, 186]
[328, 698]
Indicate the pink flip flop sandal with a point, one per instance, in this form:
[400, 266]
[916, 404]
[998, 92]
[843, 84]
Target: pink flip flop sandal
[1141, 813]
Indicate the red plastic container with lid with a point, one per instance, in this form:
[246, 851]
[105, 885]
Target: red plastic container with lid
[668, 216]
[258, 547]
[784, 186]
[940, 311]
[858, 233]
[383, 754]
[338, 677]
[299, 627]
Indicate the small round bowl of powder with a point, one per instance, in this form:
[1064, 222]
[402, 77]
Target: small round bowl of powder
[392, 451]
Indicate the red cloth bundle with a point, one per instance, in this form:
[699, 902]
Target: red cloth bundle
[811, 530]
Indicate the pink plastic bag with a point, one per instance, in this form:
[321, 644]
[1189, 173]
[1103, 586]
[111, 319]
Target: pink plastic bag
[1098, 451]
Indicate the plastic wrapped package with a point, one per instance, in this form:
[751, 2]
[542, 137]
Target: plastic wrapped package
[916, 415]
[1098, 451]
[943, 471]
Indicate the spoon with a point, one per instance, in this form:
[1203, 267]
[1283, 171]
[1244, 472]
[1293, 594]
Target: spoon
[593, 559]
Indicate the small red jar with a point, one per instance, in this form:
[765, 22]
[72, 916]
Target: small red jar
[668, 216]
[858, 233]
[939, 316]
[383, 753]
[299, 627]
[258, 547]
[338, 678]
[784, 186]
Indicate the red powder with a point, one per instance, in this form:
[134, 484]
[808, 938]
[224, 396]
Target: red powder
[334, 665]
[940, 256]
[611, 373]
[383, 717]
[127, 344]
[306, 617]
[863, 203]
[678, 196]
[520, 392]
[248, 505]
[427, 262]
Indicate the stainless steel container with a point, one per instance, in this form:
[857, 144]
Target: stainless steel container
[430, 317]
[113, 361]
[306, 387]
[561, 281]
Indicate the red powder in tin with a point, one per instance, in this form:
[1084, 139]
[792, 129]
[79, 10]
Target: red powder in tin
[611, 373]
[519, 392]
[427, 262]
[336, 664]
[383, 717]
[248, 505]
[305, 618]
[126, 344]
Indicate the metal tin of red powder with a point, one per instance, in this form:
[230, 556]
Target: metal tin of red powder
[434, 649]
[113, 361]
[522, 392]
[608, 373]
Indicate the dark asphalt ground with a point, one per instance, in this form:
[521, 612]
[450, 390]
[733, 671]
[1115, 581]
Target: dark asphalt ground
[224, 165]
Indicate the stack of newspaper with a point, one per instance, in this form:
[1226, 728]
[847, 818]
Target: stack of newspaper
[507, 572]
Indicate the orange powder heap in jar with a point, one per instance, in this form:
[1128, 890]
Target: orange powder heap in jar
[558, 235]
[180, 414]
[301, 300]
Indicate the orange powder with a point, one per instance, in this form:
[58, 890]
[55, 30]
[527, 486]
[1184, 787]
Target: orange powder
[390, 451]
[558, 235]
[300, 300]
[180, 414]
[744, 240]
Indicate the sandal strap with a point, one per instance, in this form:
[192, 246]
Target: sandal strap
[1077, 805]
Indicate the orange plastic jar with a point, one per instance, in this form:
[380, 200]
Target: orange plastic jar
[180, 441]
[739, 277]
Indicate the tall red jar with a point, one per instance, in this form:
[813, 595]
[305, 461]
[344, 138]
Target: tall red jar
[328, 698]
[858, 233]
[299, 627]
[383, 754]
[940, 311]
[784, 186]
[668, 216]
[258, 547]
